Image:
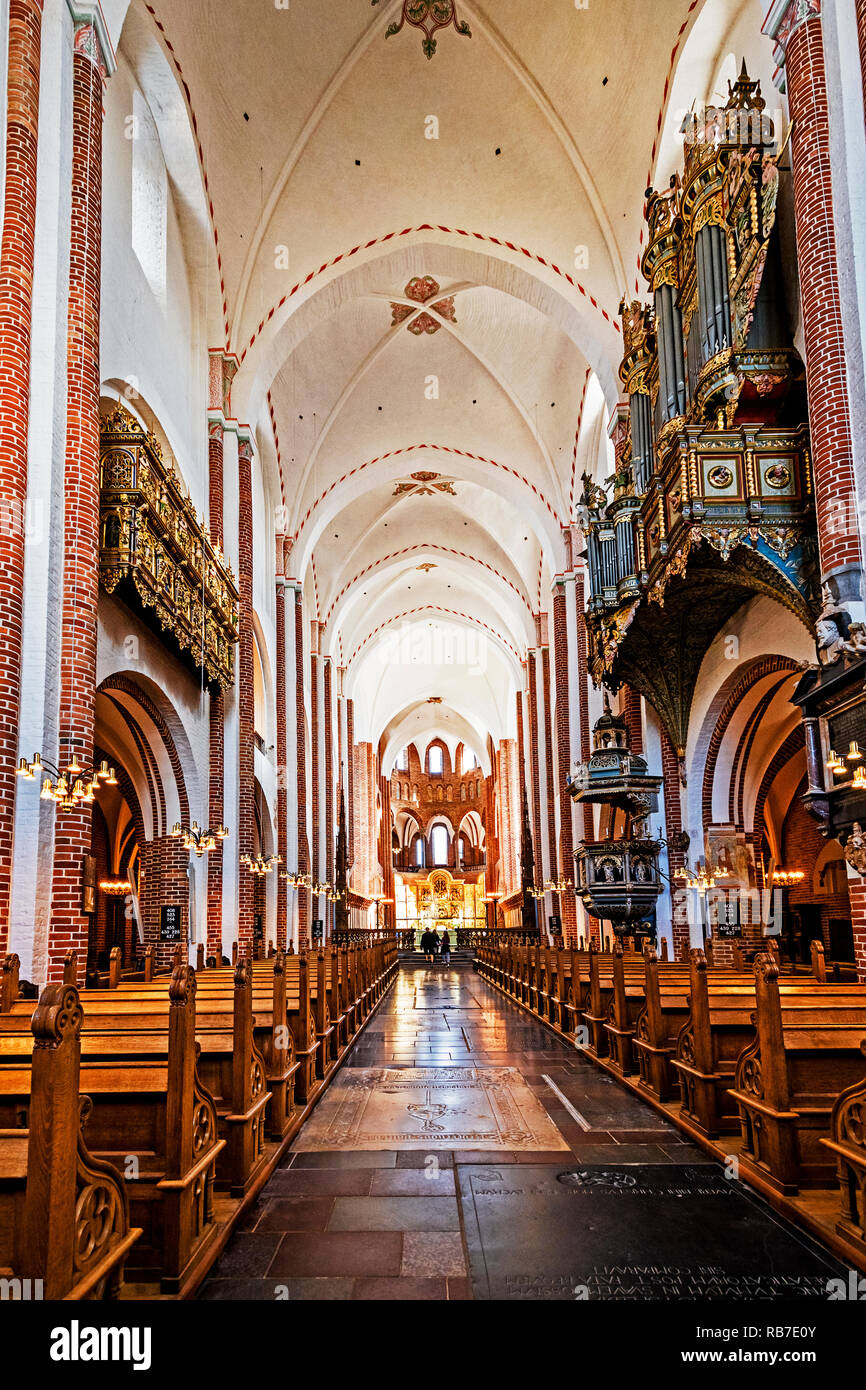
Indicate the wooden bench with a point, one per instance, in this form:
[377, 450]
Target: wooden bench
[805, 1053]
[847, 1143]
[230, 1066]
[64, 1214]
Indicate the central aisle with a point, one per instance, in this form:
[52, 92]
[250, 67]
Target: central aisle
[464, 1150]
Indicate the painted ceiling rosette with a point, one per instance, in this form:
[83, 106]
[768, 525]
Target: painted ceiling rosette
[422, 290]
[429, 15]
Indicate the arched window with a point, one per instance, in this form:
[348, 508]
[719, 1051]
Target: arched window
[149, 198]
[435, 761]
[419, 852]
[403, 761]
[439, 844]
[468, 761]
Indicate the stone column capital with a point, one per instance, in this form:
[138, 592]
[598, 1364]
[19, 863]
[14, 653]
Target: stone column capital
[784, 18]
[92, 39]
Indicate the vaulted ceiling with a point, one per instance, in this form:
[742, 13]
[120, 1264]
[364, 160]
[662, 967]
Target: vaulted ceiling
[419, 264]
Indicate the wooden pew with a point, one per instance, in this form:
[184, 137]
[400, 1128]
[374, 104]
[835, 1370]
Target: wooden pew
[64, 1215]
[847, 1142]
[805, 1053]
[230, 1066]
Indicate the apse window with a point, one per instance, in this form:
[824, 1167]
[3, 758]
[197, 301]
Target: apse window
[439, 844]
[435, 761]
[149, 199]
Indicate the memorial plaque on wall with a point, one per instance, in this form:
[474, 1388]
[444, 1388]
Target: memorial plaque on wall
[171, 923]
[847, 727]
[596, 1232]
[318, 929]
[258, 927]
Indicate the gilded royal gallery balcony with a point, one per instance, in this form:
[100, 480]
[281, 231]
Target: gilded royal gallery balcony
[712, 498]
[158, 557]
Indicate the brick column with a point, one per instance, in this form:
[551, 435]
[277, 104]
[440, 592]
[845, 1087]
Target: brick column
[303, 840]
[632, 711]
[246, 698]
[796, 29]
[857, 899]
[328, 733]
[674, 827]
[16, 285]
[583, 695]
[533, 784]
[350, 777]
[563, 756]
[861, 35]
[69, 926]
[315, 735]
[216, 757]
[548, 767]
[282, 757]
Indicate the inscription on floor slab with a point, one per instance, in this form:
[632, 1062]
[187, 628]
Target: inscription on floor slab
[666, 1233]
[430, 1108]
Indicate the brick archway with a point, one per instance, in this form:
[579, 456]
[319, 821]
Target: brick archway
[722, 709]
[164, 880]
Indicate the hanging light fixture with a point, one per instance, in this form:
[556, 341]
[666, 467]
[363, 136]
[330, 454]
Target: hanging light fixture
[196, 840]
[72, 789]
[260, 866]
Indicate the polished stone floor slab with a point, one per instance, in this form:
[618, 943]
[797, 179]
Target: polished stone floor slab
[430, 1107]
[647, 1233]
[463, 1138]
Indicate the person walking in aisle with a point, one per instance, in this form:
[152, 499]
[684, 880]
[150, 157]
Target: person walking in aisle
[445, 948]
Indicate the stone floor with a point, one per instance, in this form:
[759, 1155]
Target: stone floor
[465, 1151]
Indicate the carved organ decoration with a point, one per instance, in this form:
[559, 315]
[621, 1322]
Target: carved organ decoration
[712, 497]
[157, 556]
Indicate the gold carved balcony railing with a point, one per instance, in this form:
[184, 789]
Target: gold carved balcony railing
[158, 557]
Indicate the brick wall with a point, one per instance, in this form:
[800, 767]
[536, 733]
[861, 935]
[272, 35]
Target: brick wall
[532, 782]
[674, 827]
[563, 750]
[282, 756]
[69, 928]
[246, 699]
[583, 695]
[216, 753]
[16, 282]
[829, 419]
[303, 841]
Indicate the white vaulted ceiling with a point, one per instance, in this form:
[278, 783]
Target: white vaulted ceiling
[327, 200]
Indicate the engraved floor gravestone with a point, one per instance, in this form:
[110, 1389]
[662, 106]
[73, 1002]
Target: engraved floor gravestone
[423, 1107]
[682, 1233]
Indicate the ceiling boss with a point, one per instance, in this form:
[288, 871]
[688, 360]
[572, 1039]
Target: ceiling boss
[429, 15]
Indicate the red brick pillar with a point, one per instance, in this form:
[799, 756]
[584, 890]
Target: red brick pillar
[246, 698]
[548, 765]
[632, 712]
[674, 827]
[800, 51]
[69, 926]
[328, 733]
[857, 898]
[533, 770]
[216, 760]
[861, 34]
[303, 840]
[563, 754]
[282, 756]
[350, 777]
[583, 695]
[16, 284]
[315, 735]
